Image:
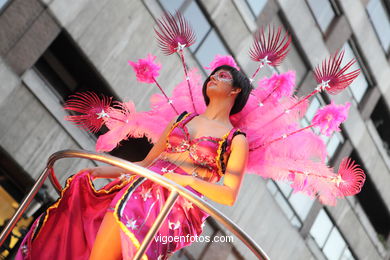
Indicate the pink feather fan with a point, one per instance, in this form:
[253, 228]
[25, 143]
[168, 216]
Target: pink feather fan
[174, 33]
[270, 47]
[332, 77]
[279, 147]
[93, 110]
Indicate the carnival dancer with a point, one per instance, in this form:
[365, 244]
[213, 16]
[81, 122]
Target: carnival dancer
[221, 128]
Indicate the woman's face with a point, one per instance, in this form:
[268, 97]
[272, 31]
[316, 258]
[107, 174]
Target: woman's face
[221, 83]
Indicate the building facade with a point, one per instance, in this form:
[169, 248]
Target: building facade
[50, 49]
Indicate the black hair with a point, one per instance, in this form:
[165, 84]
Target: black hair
[239, 81]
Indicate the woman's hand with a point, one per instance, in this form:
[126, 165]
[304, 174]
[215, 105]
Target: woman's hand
[183, 180]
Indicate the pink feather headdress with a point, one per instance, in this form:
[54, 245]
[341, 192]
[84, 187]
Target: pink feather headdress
[220, 60]
[279, 148]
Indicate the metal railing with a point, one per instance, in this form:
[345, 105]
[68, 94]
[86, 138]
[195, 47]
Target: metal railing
[175, 189]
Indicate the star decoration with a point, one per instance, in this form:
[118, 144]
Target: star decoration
[146, 194]
[102, 114]
[264, 61]
[173, 225]
[24, 249]
[324, 85]
[171, 171]
[180, 47]
[164, 169]
[132, 224]
[187, 205]
[338, 180]
[261, 104]
[284, 136]
[170, 101]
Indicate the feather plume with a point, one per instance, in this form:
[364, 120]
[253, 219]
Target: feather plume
[146, 69]
[220, 60]
[174, 33]
[350, 178]
[278, 85]
[332, 77]
[93, 110]
[271, 48]
[329, 118]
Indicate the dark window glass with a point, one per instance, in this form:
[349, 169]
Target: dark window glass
[67, 71]
[381, 119]
[372, 204]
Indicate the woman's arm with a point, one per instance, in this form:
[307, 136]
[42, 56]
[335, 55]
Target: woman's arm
[157, 149]
[228, 192]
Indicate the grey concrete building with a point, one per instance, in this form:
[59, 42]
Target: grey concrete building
[50, 49]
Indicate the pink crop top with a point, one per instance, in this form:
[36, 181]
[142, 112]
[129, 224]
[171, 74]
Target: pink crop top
[205, 151]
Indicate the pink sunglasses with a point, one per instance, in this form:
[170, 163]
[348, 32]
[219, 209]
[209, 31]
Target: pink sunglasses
[222, 76]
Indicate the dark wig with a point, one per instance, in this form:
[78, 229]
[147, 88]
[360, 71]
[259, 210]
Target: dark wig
[239, 81]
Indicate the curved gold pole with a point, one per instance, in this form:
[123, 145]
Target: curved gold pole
[175, 188]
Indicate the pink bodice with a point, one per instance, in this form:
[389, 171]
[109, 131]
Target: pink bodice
[206, 151]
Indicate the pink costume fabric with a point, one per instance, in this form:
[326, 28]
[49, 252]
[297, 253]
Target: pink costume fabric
[68, 228]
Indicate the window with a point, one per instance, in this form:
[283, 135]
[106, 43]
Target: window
[198, 22]
[328, 238]
[2, 4]
[296, 206]
[323, 13]
[66, 71]
[381, 119]
[256, 6]
[171, 5]
[360, 85]
[381, 22]
[211, 46]
[295, 57]
[373, 205]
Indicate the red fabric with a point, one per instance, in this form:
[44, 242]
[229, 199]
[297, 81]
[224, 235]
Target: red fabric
[70, 231]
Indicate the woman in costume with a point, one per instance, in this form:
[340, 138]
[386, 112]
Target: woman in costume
[195, 150]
